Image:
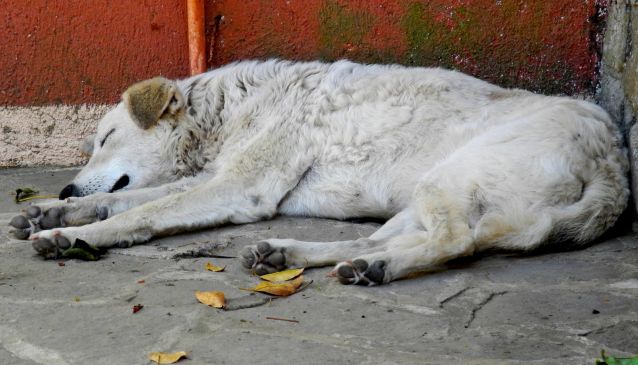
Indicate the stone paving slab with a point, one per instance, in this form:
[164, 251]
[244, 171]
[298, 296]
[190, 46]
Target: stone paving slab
[550, 308]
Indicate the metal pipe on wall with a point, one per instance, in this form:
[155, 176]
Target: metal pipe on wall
[196, 36]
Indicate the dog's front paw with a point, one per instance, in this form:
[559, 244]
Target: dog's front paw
[50, 244]
[71, 212]
[53, 244]
[34, 220]
[360, 273]
[263, 258]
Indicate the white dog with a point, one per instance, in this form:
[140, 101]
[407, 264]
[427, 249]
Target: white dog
[457, 165]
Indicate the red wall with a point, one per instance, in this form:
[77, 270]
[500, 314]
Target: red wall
[71, 51]
[87, 51]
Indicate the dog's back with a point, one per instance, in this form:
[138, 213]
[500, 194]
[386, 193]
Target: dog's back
[538, 167]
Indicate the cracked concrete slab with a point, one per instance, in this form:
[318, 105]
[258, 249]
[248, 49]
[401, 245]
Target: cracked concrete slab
[545, 308]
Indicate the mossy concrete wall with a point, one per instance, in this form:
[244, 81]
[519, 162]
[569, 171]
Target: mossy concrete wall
[618, 89]
[546, 46]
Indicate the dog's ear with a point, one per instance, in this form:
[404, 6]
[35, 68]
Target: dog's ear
[148, 101]
[86, 148]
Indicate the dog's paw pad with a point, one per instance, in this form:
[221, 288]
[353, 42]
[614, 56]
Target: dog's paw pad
[33, 211]
[263, 258]
[20, 222]
[46, 248]
[360, 273]
[23, 227]
[52, 218]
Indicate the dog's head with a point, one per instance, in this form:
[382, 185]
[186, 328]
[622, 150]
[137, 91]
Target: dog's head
[126, 150]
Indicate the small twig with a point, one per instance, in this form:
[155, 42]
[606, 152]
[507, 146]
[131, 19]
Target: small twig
[36, 197]
[283, 319]
[304, 286]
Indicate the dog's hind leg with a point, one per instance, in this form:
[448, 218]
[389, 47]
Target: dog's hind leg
[276, 254]
[445, 217]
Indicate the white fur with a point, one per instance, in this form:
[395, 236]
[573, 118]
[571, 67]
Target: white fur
[458, 164]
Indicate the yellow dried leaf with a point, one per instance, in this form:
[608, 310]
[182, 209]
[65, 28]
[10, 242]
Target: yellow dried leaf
[279, 289]
[282, 275]
[214, 299]
[213, 268]
[166, 358]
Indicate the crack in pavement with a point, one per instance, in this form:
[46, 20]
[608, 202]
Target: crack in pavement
[480, 305]
[454, 295]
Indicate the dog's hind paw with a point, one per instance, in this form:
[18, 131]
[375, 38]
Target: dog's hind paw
[34, 220]
[263, 258]
[360, 273]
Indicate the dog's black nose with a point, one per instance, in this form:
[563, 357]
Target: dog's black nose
[68, 191]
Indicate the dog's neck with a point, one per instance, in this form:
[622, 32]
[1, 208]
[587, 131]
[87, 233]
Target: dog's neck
[199, 135]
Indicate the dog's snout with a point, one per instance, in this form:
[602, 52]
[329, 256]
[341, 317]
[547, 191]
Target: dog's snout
[69, 191]
[120, 183]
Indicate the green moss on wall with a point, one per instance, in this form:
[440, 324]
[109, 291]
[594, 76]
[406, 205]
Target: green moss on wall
[340, 28]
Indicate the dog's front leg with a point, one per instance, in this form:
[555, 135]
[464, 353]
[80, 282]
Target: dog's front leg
[204, 206]
[78, 211]
[247, 189]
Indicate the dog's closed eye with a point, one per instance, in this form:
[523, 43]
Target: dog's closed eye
[107, 136]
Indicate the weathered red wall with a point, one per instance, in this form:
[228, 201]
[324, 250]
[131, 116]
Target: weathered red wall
[544, 45]
[77, 51]
[88, 51]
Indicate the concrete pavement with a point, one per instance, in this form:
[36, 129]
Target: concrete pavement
[552, 308]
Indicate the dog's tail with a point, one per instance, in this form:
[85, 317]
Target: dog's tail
[605, 190]
[604, 199]
[604, 196]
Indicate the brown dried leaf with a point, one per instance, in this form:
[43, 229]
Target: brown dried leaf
[213, 268]
[279, 289]
[214, 299]
[166, 358]
[284, 275]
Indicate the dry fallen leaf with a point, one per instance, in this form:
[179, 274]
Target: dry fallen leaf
[280, 289]
[282, 275]
[214, 299]
[166, 358]
[213, 268]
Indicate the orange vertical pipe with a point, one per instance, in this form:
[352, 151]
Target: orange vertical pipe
[196, 36]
